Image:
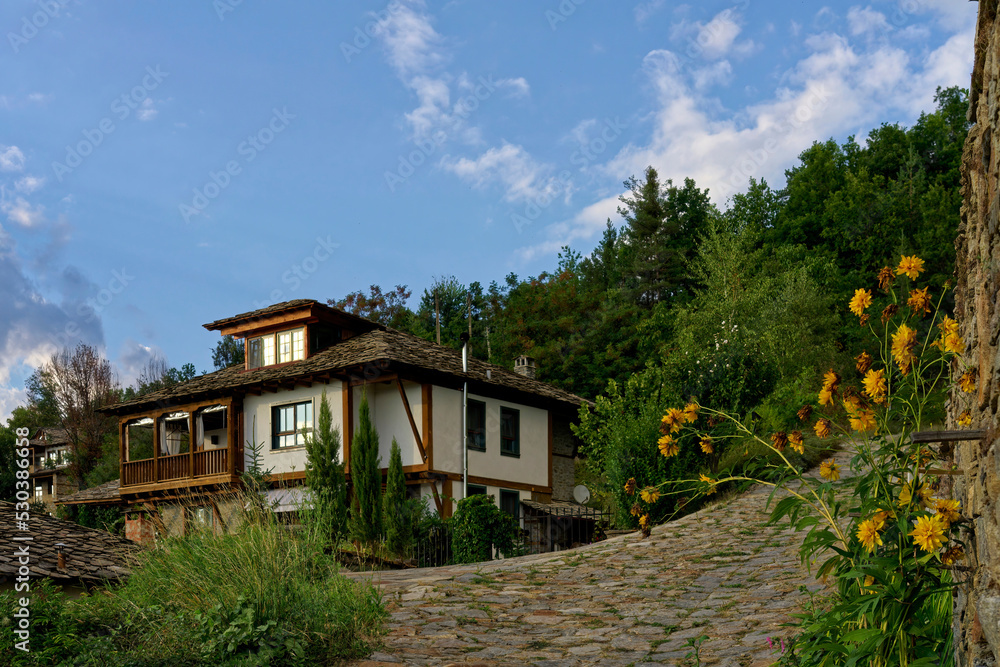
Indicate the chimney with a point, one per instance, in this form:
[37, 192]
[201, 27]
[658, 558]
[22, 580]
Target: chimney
[60, 556]
[525, 366]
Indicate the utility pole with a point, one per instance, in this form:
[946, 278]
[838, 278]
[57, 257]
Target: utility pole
[437, 316]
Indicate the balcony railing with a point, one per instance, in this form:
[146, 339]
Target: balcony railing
[175, 467]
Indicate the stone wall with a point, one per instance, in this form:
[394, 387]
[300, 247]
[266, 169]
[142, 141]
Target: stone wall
[977, 612]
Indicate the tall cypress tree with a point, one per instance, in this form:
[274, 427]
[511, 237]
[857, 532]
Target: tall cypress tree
[325, 473]
[396, 512]
[366, 477]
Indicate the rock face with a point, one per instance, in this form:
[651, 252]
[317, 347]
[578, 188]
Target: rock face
[977, 613]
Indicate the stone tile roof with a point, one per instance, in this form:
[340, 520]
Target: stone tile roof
[378, 347]
[261, 312]
[53, 436]
[105, 493]
[92, 556]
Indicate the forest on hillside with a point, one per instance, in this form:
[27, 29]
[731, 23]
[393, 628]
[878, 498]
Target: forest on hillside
[742, 308]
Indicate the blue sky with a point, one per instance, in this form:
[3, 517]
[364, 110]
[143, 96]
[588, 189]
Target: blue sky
[163, 164]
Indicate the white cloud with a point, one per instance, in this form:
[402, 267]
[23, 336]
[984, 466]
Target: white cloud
[29, 184]
[719, 72]
[21, 211]
[584, 225]
[715, 39]
[412, 45]
[644, 10]
[866, 20]
[522, 178]
[11, 158]
[147, 110]
[11, 398]
[518, 87]
[39, 98]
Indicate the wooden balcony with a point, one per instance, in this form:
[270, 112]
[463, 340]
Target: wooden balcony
[206, 463]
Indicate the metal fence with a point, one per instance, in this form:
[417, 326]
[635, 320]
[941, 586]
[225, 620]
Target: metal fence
[554, 528]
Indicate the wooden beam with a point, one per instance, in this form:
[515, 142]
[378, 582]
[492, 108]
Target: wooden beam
[348, 422]
[947, 436]
[437, 498]
[549, 457]
[413, 424]
[231, 435]
[447, 491]
[427, 421]
[156, 449]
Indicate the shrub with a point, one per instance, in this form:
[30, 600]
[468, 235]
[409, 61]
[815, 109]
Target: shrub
[325, 474]
[480, 528]
[397, 512]
[366, 478]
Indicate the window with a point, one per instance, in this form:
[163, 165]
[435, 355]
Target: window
[510, 428]
[290, 423]
[476, 490]
[510, 502]
[475, 425]
[280, 348]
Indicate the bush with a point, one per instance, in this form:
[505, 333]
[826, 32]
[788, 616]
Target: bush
[479, 528]
[261, 596]
[396, 510]
[366, 477]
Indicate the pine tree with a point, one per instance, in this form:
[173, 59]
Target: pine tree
[366, 477]
[325, 473]
[395, 511]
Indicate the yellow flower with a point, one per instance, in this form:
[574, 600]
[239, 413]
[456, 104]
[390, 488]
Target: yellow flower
[929, 533]
[831, 380]
[953, 343]
[968, 381]
[829, 470]
[875, 385]
[910, 266]
[779, 439]
[948, 510]
[885, 278]
[880, 518]
[708, 480]
[948, 326]
[668, 446]
[906, 495]
[863, 420]
[965, 418]
[805, 412]
[920, 301]
[823, 428]
[903, 342]
[862, 299]
[825, 397]
[864, 362]
[650, 494]
[868, 535]
[644, 523]
[630, 486]
[674, 419]
[706, 445]
[888, 312]
[691, 413]
[795, 440]
[869, 580]
[636, 509]
[953, 554]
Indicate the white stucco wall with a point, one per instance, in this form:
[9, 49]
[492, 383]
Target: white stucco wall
[259, 407]
[389, 416]
[531, 467]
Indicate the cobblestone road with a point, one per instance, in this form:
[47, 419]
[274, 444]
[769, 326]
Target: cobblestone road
[626, 601]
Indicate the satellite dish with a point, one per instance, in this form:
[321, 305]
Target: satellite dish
[581, 494]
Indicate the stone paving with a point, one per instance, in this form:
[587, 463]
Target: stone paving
[719, 573]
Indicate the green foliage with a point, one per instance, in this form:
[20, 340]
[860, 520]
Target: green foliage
[228, 352]
[365, 523]
[397, 512]
[8, 463]
[480, 528]
[325, 473]
[260, 596]
[388, 308]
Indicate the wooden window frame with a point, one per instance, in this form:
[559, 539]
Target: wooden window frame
[515, 449]
[275, 358]
[470, 431]
[275, 434]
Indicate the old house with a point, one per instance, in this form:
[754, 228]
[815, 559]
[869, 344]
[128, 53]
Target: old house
[49, 467]
[182, 448]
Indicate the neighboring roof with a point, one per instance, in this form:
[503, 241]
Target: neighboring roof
[389, 345]
[105, 493]
[564, 508]
[53, 436]
[92, 556]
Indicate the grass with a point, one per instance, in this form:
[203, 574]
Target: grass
[262, 595]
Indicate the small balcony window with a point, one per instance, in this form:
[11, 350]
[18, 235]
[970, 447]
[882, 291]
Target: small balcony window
[281, 348]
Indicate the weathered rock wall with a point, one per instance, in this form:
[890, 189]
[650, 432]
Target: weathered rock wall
[977, 613]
